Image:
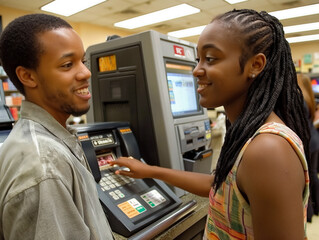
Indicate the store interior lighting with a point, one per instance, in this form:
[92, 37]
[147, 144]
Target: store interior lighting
[235, 1]
[158, 16]
[301, 27]
[69, 7]
[282, 14]
[305, 38]
[296, 12]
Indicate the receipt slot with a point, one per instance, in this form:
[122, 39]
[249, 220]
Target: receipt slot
[129, 204]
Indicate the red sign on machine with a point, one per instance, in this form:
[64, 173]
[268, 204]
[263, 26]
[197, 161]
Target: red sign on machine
[178, 50]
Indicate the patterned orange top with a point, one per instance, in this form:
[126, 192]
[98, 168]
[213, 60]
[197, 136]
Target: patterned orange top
[229, 215]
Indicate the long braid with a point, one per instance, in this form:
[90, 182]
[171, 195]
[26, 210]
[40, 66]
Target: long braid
[274, 89]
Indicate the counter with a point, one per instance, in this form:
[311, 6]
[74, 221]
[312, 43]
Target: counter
[196, 219]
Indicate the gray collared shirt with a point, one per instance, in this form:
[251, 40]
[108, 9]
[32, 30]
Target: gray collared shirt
[46, 189]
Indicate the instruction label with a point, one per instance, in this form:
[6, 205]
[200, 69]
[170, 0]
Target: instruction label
[153, 198]
[132, 208]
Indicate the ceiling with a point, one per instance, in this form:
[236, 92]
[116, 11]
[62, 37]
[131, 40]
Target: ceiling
[111, 11]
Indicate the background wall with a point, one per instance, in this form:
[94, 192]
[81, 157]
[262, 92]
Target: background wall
[299, 50]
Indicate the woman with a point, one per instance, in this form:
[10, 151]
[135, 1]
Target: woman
[260, 187]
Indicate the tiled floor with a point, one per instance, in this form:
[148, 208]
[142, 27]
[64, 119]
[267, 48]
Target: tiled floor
[313, 228]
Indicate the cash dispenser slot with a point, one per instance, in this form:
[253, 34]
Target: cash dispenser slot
[198, 160]
[131, 205]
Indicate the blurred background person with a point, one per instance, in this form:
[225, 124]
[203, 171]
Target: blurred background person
[304, 83]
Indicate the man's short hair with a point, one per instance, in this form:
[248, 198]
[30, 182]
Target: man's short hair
[19, 45]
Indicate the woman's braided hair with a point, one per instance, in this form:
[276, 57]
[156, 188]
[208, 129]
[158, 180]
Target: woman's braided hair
[274, 89]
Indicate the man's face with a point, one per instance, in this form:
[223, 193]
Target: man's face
[62, 78]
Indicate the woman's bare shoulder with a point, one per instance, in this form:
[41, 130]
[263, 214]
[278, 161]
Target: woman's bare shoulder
[270, 161]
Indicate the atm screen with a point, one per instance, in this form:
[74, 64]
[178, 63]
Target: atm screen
[182, 89]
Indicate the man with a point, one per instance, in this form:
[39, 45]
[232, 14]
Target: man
[47, 190]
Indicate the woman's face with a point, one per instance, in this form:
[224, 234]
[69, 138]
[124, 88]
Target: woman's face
[220, 78]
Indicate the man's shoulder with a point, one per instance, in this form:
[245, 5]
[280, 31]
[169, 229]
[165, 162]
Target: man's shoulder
[34, 146]
[30, 133]
[32, 154]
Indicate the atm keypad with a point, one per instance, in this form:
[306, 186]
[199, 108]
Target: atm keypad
[111, 182]
[117, 194]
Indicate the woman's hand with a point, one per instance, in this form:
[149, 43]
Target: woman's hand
[136, 169]
[197, 183]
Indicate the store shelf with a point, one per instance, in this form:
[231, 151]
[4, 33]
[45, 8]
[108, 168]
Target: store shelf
[13, 97]
[10, 91]
[16, 106]
[313, 75]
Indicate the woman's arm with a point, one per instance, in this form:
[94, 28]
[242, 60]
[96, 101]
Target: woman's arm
[272, 179]
[196, 183]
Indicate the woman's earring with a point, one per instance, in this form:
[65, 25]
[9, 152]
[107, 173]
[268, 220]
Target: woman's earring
[252, 76]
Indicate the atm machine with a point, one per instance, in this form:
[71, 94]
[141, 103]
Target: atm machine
[146, 79]
[135, 208]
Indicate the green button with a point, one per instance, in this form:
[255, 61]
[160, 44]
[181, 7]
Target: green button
[140, 209]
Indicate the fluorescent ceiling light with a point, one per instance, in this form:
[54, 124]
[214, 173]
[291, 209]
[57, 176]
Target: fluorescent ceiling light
[289, 29]
[187, 32]
[69, 7]
[158, 16]
[235, 1]
[303, 38]
[296, 12]
[302, 27]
